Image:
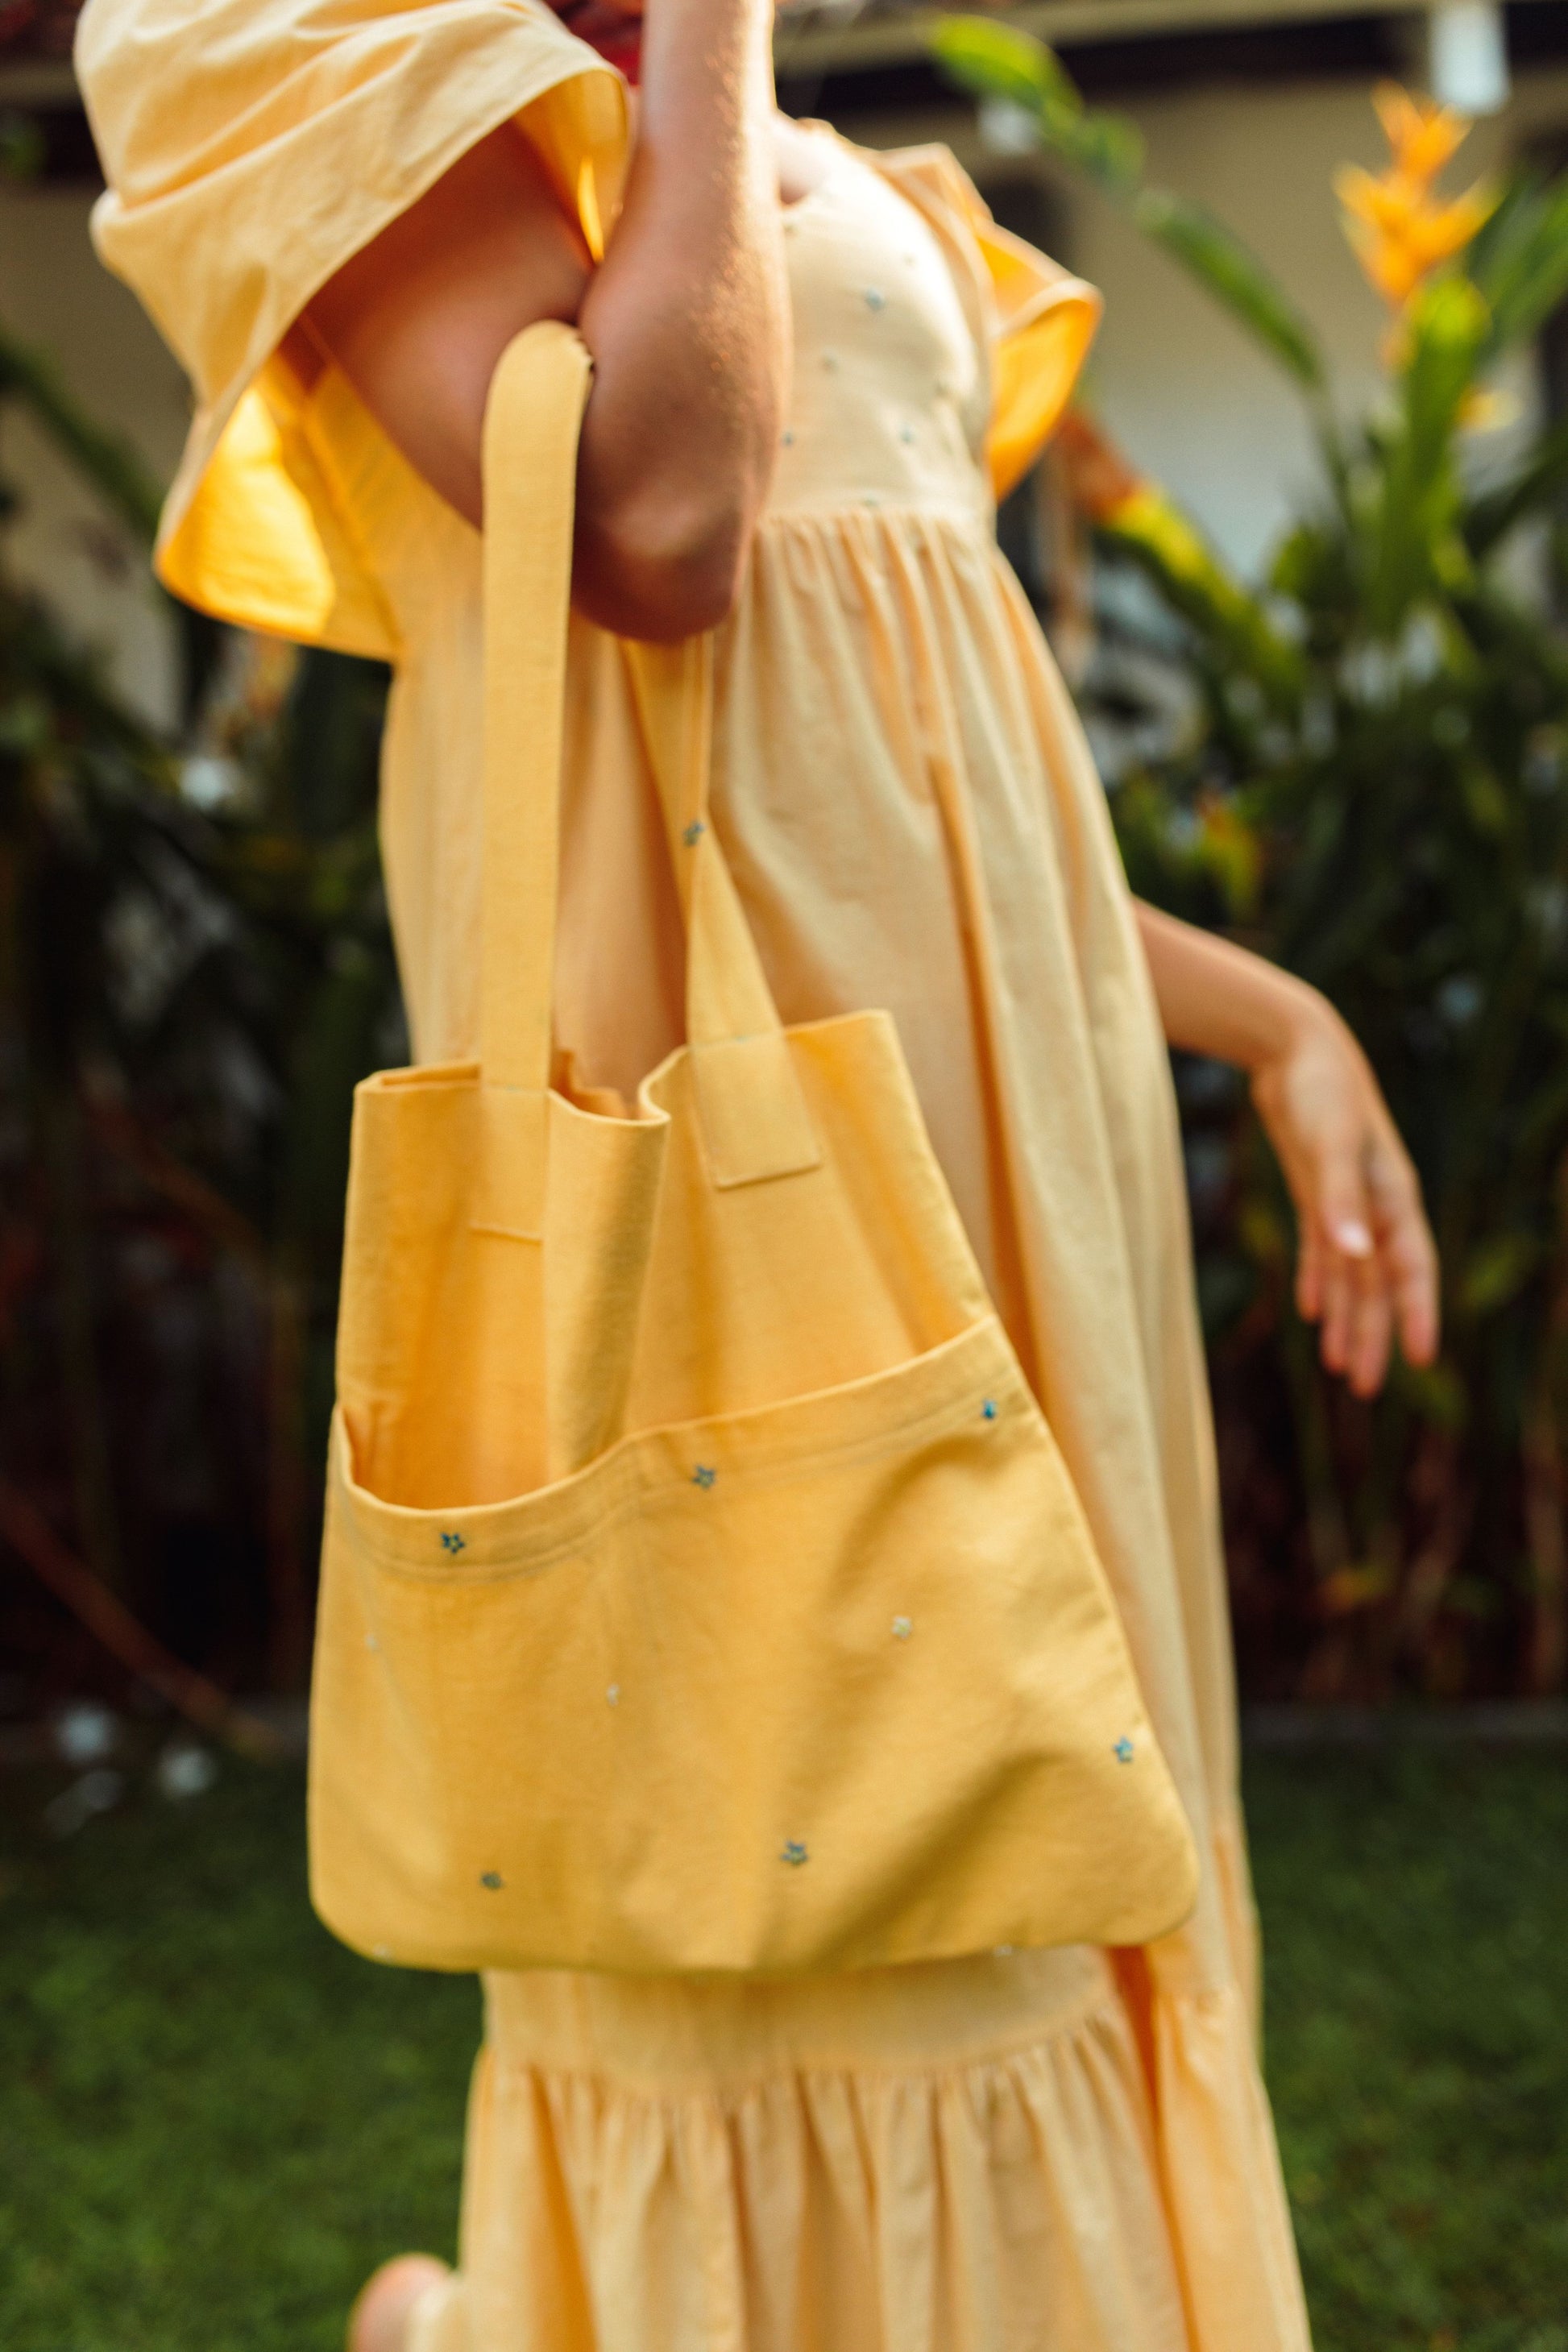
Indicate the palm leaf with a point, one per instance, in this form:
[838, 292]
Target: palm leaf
[1492, 516]
[994, 60]
[1149, 528]
[1000, 61]
[1519, 260]
[1232, 273]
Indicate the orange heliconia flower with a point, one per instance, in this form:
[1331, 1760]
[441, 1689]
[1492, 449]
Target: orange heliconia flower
[1421, 134]
[1400, 228]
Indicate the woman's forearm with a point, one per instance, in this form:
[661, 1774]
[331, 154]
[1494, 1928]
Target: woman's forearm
[1367, 1269]
[686, 317]
[688, 321]
[1219, 1000]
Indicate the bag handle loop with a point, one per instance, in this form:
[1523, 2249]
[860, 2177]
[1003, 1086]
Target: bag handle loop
[532, 418]
[753, 1117]
[752, 1114]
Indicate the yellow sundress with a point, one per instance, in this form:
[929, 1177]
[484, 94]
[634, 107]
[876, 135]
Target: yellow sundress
[1063, 2151]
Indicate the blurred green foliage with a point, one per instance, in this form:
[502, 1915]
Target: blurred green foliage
[195, 971]
[1368, 781]
[997, 61]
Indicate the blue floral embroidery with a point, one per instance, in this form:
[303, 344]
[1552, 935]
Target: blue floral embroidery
[988, 1410]
[491, 1878]
[703, 1476]
[694, 832]
[795, 1853]
[452, 1541]
[1123, 1751]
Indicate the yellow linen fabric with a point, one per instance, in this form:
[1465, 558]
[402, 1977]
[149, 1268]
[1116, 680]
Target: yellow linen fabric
[1060, 2151]
[213, 128]
[208, 150]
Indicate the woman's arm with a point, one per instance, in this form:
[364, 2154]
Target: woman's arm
[687, 319]
[1367, 1267]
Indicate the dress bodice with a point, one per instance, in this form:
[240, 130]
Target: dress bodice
[890, 396]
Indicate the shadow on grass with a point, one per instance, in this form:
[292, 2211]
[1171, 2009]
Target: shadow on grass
[212, 2121]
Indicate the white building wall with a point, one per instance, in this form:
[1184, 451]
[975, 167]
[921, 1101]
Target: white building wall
[1184, 389]
[54, 294]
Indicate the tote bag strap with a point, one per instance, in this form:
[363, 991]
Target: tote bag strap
[532, 418]
[753, 1115]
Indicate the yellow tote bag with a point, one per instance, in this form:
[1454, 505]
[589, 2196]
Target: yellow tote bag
[703, 1589]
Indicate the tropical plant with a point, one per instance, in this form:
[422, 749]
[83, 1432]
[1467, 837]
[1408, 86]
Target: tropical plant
[1370, 782]
[194, 968]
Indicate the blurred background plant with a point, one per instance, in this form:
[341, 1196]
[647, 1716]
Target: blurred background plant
[1358, 764]
[195, 969]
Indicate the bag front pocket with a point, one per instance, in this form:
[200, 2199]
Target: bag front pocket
[827, 1684]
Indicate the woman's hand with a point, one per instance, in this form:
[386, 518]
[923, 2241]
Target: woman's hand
[1367, 1269]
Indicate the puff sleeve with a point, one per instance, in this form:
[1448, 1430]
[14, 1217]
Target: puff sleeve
[250, 147]
[1032, 317]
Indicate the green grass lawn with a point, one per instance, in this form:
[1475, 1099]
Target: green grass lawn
[1416, 1918]
[212, 2121]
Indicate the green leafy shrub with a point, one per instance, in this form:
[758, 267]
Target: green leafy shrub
[195, 971]
[1371, 786]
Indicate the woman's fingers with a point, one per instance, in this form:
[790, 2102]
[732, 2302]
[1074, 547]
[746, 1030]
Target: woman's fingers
[1342, 1279]
[1408, 1250]
[1341, 1214]
[1366, 1266]
[1372, 1266]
